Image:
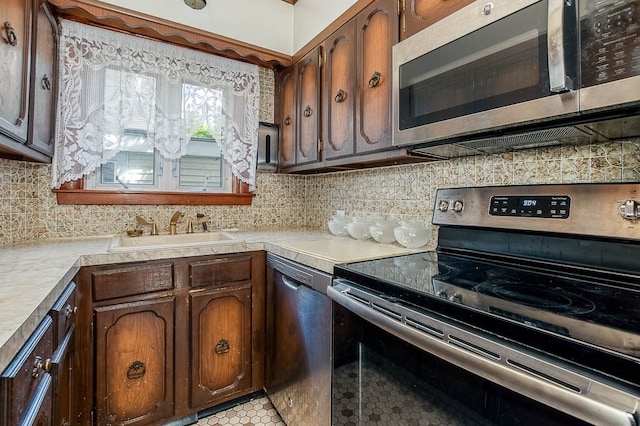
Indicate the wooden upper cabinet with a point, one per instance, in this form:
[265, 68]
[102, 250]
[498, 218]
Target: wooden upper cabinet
[15, 42]
[339, 92]
[419, 14]
[308, 70]
[377, 32]
[44, 80]
[287, 88]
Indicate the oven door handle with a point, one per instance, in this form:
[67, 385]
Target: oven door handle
[495, 370]
[555, 47]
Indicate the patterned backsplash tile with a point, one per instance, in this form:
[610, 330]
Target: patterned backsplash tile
[29, 210]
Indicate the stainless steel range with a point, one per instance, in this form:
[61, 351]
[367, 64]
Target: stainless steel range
[528, 312]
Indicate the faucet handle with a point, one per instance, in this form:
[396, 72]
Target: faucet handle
[144, 222]
[203, 220]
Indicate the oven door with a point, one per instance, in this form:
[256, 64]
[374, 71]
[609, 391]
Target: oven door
[408, 366]
[486, 67]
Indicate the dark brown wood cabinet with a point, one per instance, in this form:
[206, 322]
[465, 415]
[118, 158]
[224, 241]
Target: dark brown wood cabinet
[15, 45]
[26, 390]
[339, 92]
[28, 48]
[36, 387]
[419, 14]
[377, 29]
[299, 100]
[44, 80]
[161, 340]
[351, 70]
[286, 82]
[134, 362]
[63, 314]
[220, 343]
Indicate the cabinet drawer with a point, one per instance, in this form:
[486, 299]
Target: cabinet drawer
[22, 378]
[63, 313]
[220, 270]
[131, 280]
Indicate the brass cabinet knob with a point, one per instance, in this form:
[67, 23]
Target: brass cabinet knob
[375, 79]
[222, 347]
[11, 34]
[40, 366]
[136, 370]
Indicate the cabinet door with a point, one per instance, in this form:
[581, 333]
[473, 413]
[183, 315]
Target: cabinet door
[287, 87]
[419, 14]
[339, 92]
[15, 42]
[308, 70]
[25, 383]
[377, 29]
[134, 362]
[63, 389]
[43, 80]
[221, 344]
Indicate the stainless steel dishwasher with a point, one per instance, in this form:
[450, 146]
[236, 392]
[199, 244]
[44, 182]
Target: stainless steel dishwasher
[298, 380]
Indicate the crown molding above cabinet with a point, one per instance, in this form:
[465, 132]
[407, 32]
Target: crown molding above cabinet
[109, 16]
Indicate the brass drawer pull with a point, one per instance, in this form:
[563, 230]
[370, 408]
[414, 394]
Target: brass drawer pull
[308, 111]
[68, 310]
[40, 366]
[136, 370]
[11, 34]
[375, 79]
[340, 96]
[287, 121]
[222, 347]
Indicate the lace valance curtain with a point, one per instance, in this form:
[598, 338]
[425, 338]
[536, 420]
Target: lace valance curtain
[111, 81]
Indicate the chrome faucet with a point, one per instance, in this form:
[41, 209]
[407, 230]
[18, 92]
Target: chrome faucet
[174, 221]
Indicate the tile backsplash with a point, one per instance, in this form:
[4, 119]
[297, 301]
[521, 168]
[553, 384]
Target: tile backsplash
[30, 212]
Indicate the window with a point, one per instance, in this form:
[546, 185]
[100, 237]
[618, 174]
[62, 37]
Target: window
[137, 115]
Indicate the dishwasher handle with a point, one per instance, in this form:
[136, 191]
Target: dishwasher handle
[292, 284]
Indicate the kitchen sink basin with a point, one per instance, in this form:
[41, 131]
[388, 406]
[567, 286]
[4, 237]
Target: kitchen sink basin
[157, 242]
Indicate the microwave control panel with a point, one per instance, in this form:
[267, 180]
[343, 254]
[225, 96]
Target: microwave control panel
[610, 34]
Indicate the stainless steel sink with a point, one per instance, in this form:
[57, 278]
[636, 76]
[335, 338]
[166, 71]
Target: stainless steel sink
[157, 242]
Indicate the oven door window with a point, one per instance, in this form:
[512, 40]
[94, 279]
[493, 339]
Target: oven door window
[381, 379]
[501, 64]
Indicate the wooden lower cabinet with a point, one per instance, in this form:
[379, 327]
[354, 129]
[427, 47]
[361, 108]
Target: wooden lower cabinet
[220, 344]
[134, 362]
[165, 339]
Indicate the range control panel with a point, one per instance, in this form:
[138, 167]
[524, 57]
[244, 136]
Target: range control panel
[597, 209]
[555, 206]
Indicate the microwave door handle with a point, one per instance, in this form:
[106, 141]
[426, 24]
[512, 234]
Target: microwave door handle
[555, 47]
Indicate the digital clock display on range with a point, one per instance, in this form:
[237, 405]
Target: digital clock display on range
[546, 206]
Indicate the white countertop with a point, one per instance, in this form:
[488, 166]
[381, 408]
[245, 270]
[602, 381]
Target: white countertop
[35, 274]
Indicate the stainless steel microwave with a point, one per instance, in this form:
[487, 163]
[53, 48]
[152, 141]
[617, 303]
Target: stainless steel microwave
[520, 69]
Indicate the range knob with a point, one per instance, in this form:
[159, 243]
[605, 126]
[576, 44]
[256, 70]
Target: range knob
[630, 210]
[457, 206]
[443, 206]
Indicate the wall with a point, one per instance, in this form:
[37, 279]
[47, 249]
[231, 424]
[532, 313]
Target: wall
[265, 23]
[29, 210]
[310, 17]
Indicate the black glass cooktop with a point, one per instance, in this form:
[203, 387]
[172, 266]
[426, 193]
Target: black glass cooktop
[575, 306]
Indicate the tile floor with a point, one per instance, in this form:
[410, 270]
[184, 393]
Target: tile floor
[257, 412]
